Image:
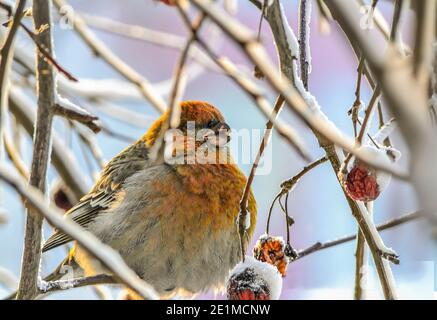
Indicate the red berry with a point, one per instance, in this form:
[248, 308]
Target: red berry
[361, 183]
[247, 285]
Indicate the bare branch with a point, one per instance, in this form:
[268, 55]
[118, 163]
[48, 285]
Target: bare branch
[424, 40]
[157, 150]
[23, 109]
[14, 156]
[114, 61]
[7, 53]
[381, 227]
[71, 111]
[406, 97]
[246, 193]
[159, 38]
[304, 33]
[58, 285]
[47, 55]
[359, 211]
[105, 254]
[27, 288]
[244, 37]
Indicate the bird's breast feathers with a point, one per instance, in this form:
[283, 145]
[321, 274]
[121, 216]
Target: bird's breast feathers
[175, 226]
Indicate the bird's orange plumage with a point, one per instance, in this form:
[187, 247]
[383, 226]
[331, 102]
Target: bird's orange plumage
[174, 224]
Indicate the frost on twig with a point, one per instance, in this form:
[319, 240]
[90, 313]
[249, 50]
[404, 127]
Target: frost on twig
[71, 111]
[114, 61]
[23, 109]
[105, 254]
[50, 286]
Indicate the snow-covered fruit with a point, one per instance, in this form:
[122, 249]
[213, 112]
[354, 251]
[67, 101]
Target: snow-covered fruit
[363, 183]
[254, 280]
[271, 249]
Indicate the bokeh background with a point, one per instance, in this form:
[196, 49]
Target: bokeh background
[317, 203]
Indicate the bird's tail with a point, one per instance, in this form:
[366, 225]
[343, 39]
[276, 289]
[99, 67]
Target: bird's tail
[62, 270]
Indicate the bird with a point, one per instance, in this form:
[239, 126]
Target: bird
[173, 221]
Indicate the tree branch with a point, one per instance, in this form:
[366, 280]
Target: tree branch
[159, 38]
[53, 286]
[27, 288]
[105, 254]
[381, 227]
[255, 52]
[100, 49]
[304, 32]
[377, 247]
[6, 53]
[23, 109]
[69, 110]
[406, 97]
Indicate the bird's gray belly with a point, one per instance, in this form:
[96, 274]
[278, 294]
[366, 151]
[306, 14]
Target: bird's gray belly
[167, 253]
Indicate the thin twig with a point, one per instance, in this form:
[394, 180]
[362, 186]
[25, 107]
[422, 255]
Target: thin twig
[159, 38]
[304, 14]
[256, 53]
[105, 254]
[14, 156]
[257, 95]
[113, 60]
[360, 261]
[70, 111]
[359, 211]
[381, 227]
[246, 193]
[173, 119]
[397, 12]
[23, 109]
[288, 185]
[58, 285]
[353, 112]
[368, 114]
[7, 53]
[425, 36]
[47, 55]
[90, 142]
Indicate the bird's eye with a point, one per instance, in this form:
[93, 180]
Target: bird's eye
[213, 123]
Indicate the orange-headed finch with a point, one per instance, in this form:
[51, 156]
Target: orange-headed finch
[173, 222]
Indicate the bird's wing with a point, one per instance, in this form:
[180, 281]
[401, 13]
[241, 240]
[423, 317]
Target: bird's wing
[102, 196]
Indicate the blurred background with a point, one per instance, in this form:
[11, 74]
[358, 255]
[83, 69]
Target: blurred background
[317, 203]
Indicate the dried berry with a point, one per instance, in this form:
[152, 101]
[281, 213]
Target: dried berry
[254, 280]
[247, 286]
[271, 250]
[364, 183]
[361, 183]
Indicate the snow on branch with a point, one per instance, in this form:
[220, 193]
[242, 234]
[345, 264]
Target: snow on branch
[71, 111]
[105, 254]
[298, 104]
[114, 61]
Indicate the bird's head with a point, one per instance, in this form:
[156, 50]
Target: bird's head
[201, 125]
